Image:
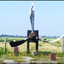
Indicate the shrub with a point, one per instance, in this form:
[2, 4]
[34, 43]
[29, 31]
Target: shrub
[45, 39]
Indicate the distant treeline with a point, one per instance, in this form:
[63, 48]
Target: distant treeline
[3, 35]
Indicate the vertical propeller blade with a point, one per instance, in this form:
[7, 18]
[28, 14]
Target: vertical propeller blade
[32, 16]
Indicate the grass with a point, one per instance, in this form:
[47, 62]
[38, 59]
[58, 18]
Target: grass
[10, 39]
[41, 56]
[44, 50]
[52, 47]
[10, 55]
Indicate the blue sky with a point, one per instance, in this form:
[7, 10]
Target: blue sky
[49, 17]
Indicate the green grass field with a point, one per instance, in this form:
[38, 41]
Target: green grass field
[10, 39]
[42, 46]
[44, 50]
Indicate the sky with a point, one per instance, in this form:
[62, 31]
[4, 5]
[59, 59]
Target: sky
[49, 17]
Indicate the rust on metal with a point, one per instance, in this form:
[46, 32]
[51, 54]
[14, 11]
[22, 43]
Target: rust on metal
[32, 35]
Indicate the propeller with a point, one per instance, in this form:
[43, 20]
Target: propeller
[16, 43]
[31, 15]
[32, 35]
[37, 38]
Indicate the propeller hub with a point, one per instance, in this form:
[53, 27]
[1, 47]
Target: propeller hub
[32, 35]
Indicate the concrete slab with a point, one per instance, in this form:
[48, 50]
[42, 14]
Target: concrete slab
[24, 63]
[45, 62]
[40, 62]
[52, 61]
[8, 61]
[28, 59]
[13, 63]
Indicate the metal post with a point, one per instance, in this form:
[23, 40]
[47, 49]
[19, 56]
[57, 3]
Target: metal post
[15, 50]
[62, 44]
[53, 56]
[5, 44]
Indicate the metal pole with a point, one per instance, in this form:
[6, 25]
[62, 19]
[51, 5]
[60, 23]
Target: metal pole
[5, 44]
[62, 44]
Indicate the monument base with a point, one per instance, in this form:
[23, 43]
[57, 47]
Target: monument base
[32, 45]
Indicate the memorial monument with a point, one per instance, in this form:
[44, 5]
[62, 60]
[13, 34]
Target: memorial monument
[32, 35]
